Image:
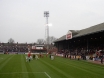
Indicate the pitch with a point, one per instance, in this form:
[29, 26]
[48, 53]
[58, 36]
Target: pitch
[15, 66]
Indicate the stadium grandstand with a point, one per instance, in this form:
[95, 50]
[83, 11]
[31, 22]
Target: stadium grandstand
[87, 43]
[20, 48]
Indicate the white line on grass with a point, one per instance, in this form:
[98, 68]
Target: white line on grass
[47, 74]
[21, 72]
[27, 72]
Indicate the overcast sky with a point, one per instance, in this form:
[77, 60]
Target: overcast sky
[24, 21]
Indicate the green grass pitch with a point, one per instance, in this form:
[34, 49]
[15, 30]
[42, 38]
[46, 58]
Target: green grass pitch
[15, 66]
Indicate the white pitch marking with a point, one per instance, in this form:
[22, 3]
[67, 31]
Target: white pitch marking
[21, 72]
[28, 72]
[47, 74]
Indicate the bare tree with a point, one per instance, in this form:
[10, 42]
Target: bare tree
[52, 39]
[40, 41]
[10, 40]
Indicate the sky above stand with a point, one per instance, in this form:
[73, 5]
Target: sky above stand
[24, 21]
